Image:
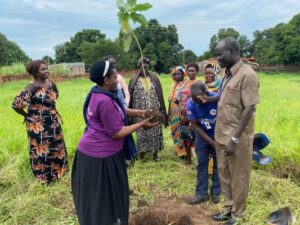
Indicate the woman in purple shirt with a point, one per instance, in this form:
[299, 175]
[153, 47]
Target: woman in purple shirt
[99, 177]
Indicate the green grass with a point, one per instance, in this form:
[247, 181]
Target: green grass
[19, 69]
[24, 201]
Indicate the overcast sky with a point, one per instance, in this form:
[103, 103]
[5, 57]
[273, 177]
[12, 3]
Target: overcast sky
[39, 25]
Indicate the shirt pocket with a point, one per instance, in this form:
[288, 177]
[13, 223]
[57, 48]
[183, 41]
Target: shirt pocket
[233, 97]
[224, 114]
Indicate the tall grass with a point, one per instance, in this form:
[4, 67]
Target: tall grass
[24, 201]
[59, 69]
[19, 69]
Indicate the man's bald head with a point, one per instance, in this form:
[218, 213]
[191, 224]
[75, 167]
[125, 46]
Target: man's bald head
[231, 44]
[228, 52]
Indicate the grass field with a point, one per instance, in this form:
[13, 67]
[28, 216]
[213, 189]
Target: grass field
[19, 69]
[24, 201]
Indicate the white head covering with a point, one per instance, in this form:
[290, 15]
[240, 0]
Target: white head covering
[105, 69]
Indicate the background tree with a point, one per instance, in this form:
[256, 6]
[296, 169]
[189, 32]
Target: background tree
[160, 44]
[68, 51]
[280, 44]
[245, 44]
[188, 56]
[48, 59]
[150, 53]
[10, 52]
[91, 52]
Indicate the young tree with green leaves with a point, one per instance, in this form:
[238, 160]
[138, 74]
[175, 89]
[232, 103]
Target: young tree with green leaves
[128, 11]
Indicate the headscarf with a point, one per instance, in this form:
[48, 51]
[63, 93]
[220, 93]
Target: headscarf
[176, 68]
[98, 71]
[175, 88]
[145, 61]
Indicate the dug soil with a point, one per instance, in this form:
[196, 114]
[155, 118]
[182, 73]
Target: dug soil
[172, 211]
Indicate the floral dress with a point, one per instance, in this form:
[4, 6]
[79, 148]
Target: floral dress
[48, 156]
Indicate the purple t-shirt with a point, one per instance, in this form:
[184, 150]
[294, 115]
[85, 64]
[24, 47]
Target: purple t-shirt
[105, 118]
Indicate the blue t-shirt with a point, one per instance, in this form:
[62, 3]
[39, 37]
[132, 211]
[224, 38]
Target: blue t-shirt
[206, 114]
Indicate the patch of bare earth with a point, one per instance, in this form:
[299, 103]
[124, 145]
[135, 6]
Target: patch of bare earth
[172, 211]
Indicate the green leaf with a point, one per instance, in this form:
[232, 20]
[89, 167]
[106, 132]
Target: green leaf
[125, 26]
[120, 4]
[131, 3]
[142, 7]
[136, 17]
[127, 7]
[126, 42]
[124, 21]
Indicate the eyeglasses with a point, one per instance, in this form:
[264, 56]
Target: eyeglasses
[191, 71]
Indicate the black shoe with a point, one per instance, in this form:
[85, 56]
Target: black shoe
[216, 199]
[198, 199]
[222, 216]
[231, 221]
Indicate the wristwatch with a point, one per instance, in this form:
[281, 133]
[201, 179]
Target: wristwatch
[235, 140]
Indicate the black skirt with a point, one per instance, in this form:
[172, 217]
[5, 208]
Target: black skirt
[100, 189]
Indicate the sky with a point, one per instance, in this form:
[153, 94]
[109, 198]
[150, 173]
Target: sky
[37, 26]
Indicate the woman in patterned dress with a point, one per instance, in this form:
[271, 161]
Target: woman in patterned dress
[48, 156]
[180, 92]
[145, 93]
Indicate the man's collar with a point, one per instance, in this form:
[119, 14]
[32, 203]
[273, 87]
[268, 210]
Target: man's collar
[235, 68]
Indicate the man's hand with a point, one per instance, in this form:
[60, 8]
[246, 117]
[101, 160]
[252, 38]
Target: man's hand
[202, 98]
[230, 148]
[212, 143]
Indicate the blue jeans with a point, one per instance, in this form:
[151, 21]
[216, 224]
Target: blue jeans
[203, 150]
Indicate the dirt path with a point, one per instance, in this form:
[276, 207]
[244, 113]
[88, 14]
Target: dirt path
[172, 211]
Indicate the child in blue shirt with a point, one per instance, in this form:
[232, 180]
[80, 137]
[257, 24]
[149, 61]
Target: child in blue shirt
[203, 118]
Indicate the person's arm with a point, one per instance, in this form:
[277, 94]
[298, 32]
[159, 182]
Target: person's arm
[249, 98]
[209, 99]
[192, 116]
[126, 130]
[201, 132]
[113, 122]
[21, 111]
[22, 100]
[245, 118]
[136, 112]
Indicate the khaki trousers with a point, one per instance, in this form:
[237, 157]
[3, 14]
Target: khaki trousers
[234, 174]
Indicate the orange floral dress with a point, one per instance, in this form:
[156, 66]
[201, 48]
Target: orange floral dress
[48, 156]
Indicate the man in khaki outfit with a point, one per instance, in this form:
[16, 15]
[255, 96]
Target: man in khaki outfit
[234, 130]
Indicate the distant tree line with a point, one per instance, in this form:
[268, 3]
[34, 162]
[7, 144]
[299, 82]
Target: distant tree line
[277, 45]
[160, 44]
[10, 52]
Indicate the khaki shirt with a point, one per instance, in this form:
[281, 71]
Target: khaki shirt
[237, 92]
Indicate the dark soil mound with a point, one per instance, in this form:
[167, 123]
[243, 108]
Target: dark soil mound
[172, 211]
